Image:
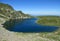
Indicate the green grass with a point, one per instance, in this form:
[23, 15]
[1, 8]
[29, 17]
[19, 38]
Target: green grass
[50, 21]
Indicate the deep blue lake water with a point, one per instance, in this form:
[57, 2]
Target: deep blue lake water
[30, 25]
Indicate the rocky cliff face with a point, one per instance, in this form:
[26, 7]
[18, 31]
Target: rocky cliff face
[7, 12]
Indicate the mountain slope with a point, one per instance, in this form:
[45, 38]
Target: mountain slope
[8, 11]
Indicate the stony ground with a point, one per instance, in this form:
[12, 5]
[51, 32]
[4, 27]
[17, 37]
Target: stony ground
[6, 35]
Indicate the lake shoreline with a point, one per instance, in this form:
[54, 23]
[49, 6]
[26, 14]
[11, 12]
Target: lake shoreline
[17, 36]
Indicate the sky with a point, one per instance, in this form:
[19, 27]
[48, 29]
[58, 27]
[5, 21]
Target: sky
[35, 7]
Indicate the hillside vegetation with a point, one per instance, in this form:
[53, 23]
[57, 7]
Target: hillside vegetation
[49, 20]
[7, 12]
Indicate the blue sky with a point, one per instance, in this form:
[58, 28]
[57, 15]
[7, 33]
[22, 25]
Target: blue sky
[35, 7]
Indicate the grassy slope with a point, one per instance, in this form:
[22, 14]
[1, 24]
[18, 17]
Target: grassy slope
[50, 21]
